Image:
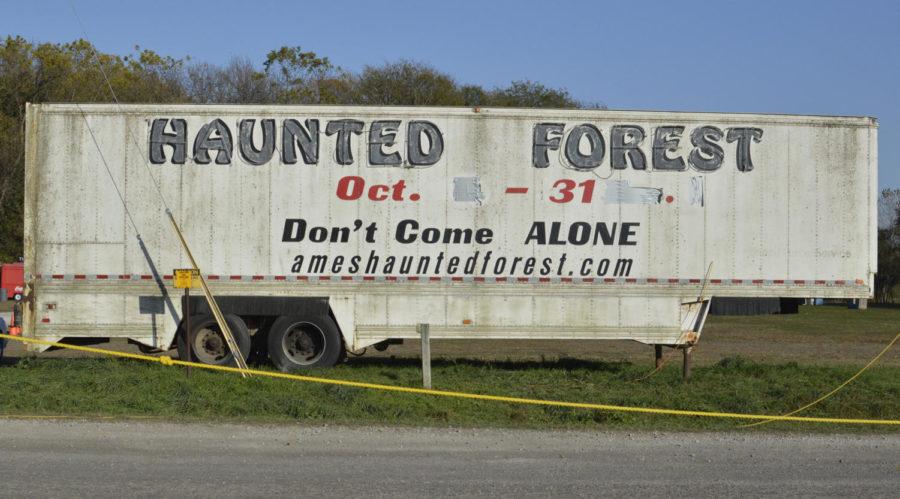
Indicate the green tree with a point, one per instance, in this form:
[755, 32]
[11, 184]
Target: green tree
[888, 276]
[300, 77]
[407, 83]
[239, 82]
[532, 94]
[12, 180]
[475, 96]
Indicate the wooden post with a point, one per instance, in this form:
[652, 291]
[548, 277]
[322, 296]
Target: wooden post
[187, 328]
[185, 279]
[686, 369]
[426, 355]
[658, 355]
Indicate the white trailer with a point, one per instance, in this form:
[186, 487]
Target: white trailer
[325, 228]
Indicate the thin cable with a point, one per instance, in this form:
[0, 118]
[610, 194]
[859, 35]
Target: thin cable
[705, 280]
[119, 105]
[223, 325]
[668, 356]
[611, 173]
[109, 172]
[662, 363]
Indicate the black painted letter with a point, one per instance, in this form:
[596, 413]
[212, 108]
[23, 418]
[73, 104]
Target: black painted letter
[597, 146]
[542, 143]
[665, 139]
[382, 134]
[177, 140]
[344, 128]
[707, 155]
[624, 147]
[249, 151]
[743, 137]
[214, 136]
[294, 134]
[414, 153]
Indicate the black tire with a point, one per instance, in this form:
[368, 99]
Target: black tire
[297, 343]
[18, 297]
[208, 346]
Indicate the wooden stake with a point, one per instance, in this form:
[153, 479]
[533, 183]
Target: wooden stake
[426, 355]
[686, 369]
[213, 305]
[187, 328]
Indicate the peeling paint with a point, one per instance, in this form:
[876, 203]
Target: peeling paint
[696, 195]
[621, 192]
[467, 189]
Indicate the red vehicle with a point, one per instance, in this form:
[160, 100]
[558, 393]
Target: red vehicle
[12, 280]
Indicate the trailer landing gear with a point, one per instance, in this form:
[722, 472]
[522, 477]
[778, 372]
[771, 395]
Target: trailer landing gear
[687, 350]
[687, 353]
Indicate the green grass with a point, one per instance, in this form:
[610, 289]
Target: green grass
[119, 388]
[824, 322]
[795, 359]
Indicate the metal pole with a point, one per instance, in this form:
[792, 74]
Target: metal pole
[187, 327]
[426, 355]
[658, 355]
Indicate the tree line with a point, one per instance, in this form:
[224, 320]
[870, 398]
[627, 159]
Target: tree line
[71, 72]
[887, 279]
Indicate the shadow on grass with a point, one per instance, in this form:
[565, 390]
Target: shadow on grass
[885, 305]
[732, 364]
[564, 363]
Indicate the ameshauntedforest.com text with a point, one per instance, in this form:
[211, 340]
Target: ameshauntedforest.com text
[480, 263]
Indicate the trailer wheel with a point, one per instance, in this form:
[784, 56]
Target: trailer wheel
[299, 343]
[208, 344]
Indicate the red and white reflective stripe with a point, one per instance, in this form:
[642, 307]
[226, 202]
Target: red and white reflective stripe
[463, 279]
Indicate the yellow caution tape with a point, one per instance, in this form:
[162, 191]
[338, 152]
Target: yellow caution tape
[168, 361]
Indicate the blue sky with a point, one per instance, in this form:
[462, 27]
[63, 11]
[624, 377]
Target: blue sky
[803, 57]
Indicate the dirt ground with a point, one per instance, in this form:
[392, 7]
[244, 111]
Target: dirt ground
[716, 343]
[828, 335]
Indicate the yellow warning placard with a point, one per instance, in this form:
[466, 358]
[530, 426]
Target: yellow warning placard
[187, 278]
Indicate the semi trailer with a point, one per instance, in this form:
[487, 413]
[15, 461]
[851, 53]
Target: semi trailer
[327, 229]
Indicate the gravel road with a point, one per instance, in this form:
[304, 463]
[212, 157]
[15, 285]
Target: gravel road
[114, 459]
